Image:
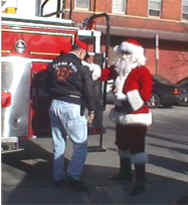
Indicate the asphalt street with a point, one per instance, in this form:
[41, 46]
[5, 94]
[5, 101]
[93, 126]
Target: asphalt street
[26, 177]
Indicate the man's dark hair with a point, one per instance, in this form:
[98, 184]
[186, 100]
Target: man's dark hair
[86, 56]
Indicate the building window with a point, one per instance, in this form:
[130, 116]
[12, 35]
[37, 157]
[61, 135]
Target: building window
[154, 7]
[81, 4]
[119, 6]
[185, 9]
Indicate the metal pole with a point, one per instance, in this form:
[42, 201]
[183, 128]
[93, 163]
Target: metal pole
[37, 6]
[94, 6]
[63, 9]
[42, 7]
[156, 53]
[58, 8]
[70, 13]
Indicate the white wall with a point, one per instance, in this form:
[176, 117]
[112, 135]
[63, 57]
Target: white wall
[50, 7]
[27, 8]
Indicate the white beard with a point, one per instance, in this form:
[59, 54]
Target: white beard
[123, 66]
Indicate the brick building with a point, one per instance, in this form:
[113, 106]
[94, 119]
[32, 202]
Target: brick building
[144, 20]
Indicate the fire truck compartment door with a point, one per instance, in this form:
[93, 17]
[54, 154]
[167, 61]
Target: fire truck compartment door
[15, 80]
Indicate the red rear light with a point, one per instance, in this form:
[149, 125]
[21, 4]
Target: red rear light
[5, 99]
[175, 91]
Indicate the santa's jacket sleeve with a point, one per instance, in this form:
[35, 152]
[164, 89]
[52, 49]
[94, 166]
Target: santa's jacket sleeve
[146, 88]
[107, 74]
[138, 87]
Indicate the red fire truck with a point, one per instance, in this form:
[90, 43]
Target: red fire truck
[28, 45]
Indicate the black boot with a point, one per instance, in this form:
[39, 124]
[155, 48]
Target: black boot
[140, 180]
[125, 172]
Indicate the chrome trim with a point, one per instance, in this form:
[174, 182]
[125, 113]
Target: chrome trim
[35, 60]
[31, 60]
[37, 32]
[18, 25]
[5, 51]
[16, 17]
[38, 22]
[15, 76]
[20, 46]
[43, 53]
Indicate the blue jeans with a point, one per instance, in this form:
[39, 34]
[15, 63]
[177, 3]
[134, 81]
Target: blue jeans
[66, 121]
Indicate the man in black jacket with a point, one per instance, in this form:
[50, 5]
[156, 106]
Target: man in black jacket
[70, 85]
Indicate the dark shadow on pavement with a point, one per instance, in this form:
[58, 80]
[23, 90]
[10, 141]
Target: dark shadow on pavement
[34, 184]
[180, 150]
[167, 139]
[171, 164]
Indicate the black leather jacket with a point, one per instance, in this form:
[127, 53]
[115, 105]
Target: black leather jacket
[75, 84]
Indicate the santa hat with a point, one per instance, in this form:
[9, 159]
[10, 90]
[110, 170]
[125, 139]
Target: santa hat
[133, 47]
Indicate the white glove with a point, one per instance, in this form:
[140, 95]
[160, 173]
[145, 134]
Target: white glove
[120, 96]
[96, 74]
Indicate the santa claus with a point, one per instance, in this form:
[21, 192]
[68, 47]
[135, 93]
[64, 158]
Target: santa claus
[133, 87]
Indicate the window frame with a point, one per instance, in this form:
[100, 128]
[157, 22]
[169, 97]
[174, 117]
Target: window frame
[124, 7]
[184, 3]
[160, 10]
[76, 7]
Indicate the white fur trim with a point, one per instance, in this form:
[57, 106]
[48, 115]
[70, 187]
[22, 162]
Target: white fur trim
[141, 118]
[131, 119]
[136, 51]
[135, 99]
[133, 49]
[139, 158]
[116, 49]
[119, 83]
[96, 71]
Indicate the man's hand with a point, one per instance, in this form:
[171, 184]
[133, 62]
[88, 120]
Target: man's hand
[91, 117]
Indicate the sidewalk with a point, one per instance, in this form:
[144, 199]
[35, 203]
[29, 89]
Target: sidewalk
[164, 187]
[160, 189]
[29, 181]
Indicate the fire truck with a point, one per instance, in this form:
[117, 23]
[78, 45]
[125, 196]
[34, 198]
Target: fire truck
[28, 45]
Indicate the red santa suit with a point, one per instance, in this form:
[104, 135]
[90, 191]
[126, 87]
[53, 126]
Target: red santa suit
[137, 91]
[133, 87]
